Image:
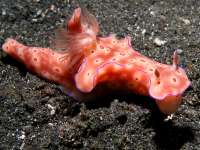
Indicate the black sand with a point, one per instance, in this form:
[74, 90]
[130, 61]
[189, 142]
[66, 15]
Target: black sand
[35, 114]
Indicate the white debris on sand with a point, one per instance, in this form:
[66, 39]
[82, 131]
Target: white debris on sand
[53, 109]
[185, 21]
[159, 42]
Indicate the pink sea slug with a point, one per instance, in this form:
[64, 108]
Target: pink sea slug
[86, 60]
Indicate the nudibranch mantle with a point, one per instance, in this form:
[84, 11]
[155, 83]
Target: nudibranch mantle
[87, 60]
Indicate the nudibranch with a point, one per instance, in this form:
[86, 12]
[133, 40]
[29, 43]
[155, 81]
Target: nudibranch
[81, 60]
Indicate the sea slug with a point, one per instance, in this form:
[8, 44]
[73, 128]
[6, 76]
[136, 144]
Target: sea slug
[84, 60]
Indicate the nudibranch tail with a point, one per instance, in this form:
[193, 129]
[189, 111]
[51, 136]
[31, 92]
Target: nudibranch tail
[14, 48]
[43, 61]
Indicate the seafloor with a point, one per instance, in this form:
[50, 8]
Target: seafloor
[35, 114]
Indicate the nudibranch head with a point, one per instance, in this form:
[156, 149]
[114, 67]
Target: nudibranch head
[168, 85]
[170, 82]
[168, 88]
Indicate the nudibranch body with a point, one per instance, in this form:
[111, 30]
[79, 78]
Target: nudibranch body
[87, 60]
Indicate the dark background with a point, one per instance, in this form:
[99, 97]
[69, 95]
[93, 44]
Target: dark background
[35, 114]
